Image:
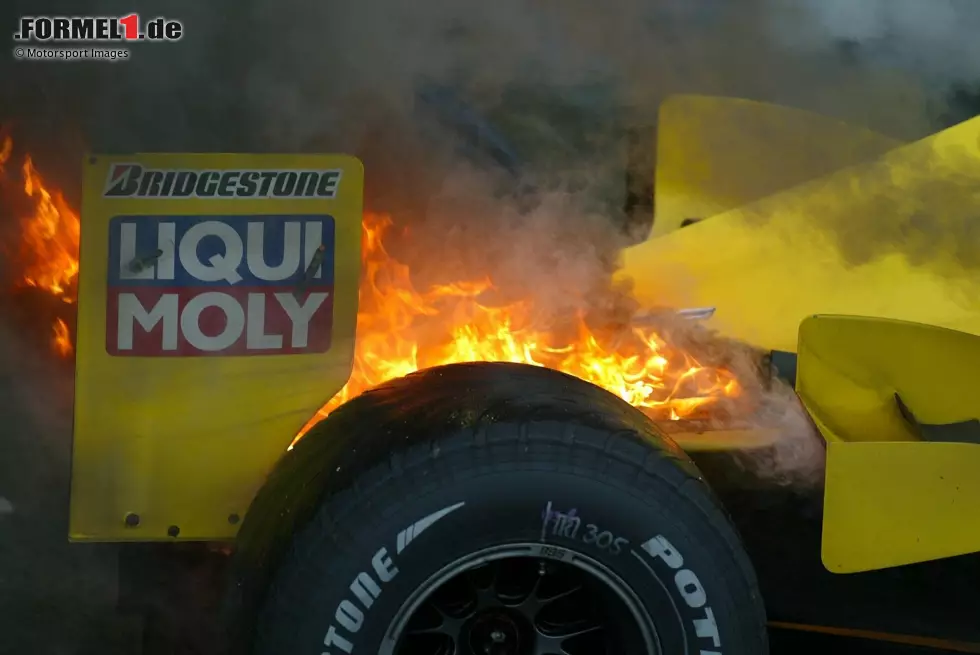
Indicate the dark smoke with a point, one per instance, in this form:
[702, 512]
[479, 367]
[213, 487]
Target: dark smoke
[566, 78]
[300, 75]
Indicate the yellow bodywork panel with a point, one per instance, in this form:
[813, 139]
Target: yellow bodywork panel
[890, 503]
[715, 154]
[892, 498]
[217, 307]
[898, 237]
[850, 369]
[714, 440]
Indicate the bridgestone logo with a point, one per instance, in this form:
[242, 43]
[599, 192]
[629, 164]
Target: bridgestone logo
[133, 181]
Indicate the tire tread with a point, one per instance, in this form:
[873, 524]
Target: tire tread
[326, 483]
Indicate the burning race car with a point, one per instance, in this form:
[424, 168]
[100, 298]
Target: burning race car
[491, 487]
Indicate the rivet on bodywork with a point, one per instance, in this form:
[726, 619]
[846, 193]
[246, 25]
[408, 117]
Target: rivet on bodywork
[132, 520]
[173, 531]
[234, 519]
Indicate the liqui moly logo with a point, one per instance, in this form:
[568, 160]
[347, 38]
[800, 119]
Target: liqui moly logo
[219, 285]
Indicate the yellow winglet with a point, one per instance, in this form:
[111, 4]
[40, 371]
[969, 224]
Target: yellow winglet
[891, 497]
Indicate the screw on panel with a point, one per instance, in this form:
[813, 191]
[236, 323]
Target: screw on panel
[132, 520]
[234, 519]
[173, 531]
[92, 160]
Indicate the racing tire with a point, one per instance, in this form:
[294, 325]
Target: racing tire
[493, 509]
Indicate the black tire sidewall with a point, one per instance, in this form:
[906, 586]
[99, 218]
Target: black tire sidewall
[687, 578]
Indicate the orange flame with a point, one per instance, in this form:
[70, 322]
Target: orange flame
[49, 242]
[62, 338]
[50, 238]
[401, 330]
[5, 151]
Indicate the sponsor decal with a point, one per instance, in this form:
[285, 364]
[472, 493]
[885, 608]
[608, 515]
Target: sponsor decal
[690, 589]
[366, 587]
[134, 181]
[219, 285]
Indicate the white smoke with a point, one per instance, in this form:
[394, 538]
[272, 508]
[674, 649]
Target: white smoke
[796, 458]
[936, 39]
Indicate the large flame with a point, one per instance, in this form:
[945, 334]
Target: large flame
[48, 252]
[401, 329]
[50, 238]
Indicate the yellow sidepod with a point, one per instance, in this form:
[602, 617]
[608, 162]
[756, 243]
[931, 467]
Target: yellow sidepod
[716, 153]
[897, 238]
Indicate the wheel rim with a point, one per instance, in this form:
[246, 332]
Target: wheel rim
[511, 601]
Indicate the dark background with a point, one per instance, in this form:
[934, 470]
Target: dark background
[294, 75]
